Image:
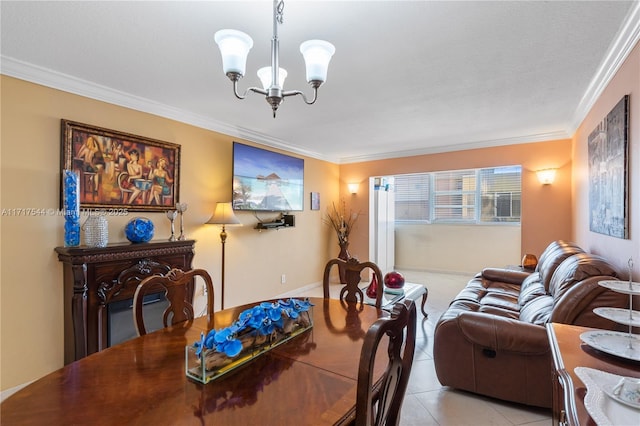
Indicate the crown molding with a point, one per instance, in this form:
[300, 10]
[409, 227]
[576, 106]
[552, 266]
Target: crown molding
[462, 146]
[67, 83]
[56, 80]
[626, 39]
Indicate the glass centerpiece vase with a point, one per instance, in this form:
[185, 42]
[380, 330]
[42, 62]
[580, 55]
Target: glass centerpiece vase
[256, 331]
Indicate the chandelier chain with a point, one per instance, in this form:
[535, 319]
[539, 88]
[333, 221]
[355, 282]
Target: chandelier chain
[280, 12]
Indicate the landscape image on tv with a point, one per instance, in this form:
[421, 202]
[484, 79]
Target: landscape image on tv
[266, 180]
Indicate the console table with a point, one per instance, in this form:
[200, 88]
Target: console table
[95, 277]
[569, 352]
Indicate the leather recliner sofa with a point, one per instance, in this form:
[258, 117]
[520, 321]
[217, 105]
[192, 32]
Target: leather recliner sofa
[492, 339]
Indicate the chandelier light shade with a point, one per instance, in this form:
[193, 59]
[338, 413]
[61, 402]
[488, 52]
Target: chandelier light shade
[317, 54]
[234, 48]
[264, 74]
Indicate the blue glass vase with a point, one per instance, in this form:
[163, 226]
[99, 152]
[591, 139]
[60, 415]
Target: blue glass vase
[139, 230]
[71, 206]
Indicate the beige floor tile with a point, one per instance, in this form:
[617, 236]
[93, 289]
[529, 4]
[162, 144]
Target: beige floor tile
[518, 416]
[423, 377]
[460, 409]
[429, 403]
[415, 414]
[545, 422]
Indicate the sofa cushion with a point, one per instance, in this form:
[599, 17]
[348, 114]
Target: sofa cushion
[538, 310]
[473, 291]
[531, 288]
[502, 300]
[552, 257]
[500, 312]
[576, 268]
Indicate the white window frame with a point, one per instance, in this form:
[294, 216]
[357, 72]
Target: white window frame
[464, 194]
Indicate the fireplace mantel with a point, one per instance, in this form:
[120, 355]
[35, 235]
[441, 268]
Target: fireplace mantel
[95, 277]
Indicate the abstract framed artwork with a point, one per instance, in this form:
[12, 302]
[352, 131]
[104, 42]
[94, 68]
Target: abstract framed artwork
[120, 170]
[609, 173]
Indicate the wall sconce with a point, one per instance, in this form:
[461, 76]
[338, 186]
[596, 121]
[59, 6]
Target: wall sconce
[353, 188]
[546, 176]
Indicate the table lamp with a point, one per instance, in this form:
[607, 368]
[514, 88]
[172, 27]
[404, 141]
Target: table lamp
[223, 215]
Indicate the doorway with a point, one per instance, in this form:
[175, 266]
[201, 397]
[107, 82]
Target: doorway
[382, 222]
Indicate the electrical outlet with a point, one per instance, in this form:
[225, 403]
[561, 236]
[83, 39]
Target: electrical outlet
[283, 279]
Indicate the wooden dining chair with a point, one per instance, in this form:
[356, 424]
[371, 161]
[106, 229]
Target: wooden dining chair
[352, 273]
[380, 405]
[177, 289]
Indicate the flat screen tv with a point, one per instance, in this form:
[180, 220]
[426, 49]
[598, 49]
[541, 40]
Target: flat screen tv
[266, 180]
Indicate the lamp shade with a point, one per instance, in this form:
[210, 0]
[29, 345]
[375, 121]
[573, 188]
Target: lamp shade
[223, 215]
[317, 54]
[264, 74]
[234, 47]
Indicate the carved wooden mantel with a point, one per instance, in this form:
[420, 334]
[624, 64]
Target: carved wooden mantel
[95, 277]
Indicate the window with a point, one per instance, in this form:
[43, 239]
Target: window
[454, 196]
[489, 195]
[412, 194]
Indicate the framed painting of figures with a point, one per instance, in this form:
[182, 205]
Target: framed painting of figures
[609, 174]
[120, 170]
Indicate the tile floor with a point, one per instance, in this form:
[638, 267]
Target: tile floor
[428, 402]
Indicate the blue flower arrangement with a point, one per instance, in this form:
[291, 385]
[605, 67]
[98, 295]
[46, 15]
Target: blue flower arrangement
[265, 319]
[139, 230]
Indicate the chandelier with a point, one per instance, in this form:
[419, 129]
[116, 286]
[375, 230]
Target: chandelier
[235, 45]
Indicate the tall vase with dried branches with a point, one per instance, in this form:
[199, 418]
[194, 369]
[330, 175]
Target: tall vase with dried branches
[342, 222]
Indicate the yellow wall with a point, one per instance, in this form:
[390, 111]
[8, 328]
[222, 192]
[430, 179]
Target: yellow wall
[546, 210]
[31, 277]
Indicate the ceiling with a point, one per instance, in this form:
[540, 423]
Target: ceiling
[408, 77]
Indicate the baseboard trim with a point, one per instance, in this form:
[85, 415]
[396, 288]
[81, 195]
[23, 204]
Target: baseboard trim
[8, 392]
[297, 291]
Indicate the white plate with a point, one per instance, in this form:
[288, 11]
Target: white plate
[619, 315]
[604, 410]
[614, 343]
[621, 286]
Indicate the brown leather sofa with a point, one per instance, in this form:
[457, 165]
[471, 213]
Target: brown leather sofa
[492, 340]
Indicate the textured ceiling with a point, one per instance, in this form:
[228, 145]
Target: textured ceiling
[407, 77]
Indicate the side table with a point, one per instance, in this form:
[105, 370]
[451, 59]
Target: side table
[411, 291]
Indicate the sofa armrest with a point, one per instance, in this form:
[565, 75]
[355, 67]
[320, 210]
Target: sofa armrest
[499, 333]
[504, 275]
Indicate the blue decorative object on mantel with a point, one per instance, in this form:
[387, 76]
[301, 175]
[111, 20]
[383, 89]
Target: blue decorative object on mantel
[139, 230]
[71, 207]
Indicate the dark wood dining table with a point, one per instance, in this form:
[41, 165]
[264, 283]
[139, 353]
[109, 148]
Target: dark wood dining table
[309, 380]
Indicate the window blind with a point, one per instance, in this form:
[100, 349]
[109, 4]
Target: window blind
[487, 195]
[412, 192]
